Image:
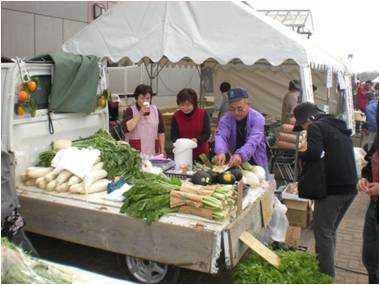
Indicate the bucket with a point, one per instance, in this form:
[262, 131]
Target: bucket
[183, 154]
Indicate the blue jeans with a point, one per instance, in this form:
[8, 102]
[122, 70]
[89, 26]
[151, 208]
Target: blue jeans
[328, 213]
[371, 243]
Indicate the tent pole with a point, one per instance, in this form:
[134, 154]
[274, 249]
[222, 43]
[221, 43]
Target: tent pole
[201, 86]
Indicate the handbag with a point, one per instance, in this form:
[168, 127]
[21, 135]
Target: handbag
[312, 181]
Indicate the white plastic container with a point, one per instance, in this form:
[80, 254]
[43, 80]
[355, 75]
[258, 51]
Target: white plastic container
[183, 154]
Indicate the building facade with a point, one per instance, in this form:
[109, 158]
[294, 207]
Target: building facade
[30, 28]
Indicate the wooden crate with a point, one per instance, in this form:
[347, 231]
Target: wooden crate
[299, 213]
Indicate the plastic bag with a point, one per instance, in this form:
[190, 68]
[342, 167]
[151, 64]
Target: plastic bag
[278, 226]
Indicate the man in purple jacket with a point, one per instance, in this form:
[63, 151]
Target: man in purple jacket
[241, 133]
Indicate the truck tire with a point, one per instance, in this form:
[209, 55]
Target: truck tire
[147, 271]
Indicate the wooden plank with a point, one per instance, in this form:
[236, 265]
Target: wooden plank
[267, 205]
[249, 220]
[260, 249]
[239, 200]
[111, 231]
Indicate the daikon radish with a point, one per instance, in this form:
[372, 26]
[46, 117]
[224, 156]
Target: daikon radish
[52, 174]
[95, 176]
[36, 172]
[30, 182]
[64, 187]
[98, 186]
[97, 166]
[24, 177]
[41, 183]
[63, 176]
[61, 144]
[51, 185]
[74, 180]
[77, 188]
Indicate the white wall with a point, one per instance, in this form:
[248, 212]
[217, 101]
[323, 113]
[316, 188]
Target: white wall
[30, 28]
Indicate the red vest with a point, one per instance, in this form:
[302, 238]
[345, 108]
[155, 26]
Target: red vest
[192, 127]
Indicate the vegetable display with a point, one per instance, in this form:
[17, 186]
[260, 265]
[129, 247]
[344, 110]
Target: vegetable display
[18, 267]
[118, 157]
[297, 267]
[149, 198]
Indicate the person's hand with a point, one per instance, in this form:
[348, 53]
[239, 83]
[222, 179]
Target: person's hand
[195, 140]
[373, 188]
[220, 158]
[235, 160]
[362, 185]
[113, 123]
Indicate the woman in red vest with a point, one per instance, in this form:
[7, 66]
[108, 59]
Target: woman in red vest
[191, 122]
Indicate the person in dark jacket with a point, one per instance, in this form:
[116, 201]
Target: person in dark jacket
[12, 222]
[328, 137]
[369, 184]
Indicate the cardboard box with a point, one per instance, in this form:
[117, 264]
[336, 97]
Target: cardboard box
[293, 236]
[300, 211]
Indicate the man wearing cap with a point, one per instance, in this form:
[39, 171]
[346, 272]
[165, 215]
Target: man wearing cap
[328, 138]
[290, 101]
[240, 133]
[113, 115]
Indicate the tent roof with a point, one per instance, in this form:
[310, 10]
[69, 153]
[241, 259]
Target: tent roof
[222, 31]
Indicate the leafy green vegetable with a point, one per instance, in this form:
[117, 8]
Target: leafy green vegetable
[119, 158]
[296, 267]
[149, 198]
[45, 158]
[19, 267]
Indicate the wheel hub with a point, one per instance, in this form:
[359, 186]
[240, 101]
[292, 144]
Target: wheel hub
[146, 271]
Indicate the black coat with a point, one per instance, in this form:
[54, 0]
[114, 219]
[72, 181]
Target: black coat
[331, 135]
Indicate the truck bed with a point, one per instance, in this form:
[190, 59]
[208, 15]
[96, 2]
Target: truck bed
[181, 240]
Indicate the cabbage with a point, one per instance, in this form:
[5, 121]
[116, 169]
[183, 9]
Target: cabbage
[259, 171]
[251, 178]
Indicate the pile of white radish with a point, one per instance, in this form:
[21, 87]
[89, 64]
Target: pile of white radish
[52, 179]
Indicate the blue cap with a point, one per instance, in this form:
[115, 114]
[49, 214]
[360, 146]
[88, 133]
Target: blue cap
[235, 94]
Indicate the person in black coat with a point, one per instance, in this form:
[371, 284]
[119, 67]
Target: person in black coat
[328, 138]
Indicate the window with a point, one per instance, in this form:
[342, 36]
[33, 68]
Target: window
[43, 91]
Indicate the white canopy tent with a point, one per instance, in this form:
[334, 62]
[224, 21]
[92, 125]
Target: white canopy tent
[218, 33]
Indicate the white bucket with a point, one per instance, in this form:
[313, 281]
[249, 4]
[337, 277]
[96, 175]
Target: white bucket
[183, 154]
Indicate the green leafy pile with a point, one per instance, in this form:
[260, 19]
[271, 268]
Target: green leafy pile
[149, 198]
[45, 158]
[296, 267]
[18, 267]
[119, 158]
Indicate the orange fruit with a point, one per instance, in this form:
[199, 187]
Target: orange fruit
[32, 85]
[20, 110]
[21, 87]
[102, 102]
[23, 96]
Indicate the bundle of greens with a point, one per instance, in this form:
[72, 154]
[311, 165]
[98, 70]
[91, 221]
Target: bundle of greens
[45, 158]
[149, 198]
[118, 156]
[297, 267]
[18, 267]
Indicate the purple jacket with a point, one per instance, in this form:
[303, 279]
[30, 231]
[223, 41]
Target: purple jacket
[225, 138]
